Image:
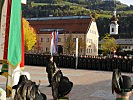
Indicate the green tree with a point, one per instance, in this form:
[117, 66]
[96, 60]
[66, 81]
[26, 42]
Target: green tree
[30, 35]
[109, 44]
[69, 45]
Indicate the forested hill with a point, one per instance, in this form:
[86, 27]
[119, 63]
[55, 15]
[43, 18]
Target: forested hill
[100, 9]
[43, 8]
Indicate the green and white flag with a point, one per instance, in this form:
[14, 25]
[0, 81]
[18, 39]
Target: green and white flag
[14, 41]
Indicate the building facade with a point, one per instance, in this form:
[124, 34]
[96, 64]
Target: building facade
[82, 27]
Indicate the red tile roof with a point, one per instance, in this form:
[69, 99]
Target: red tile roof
[78, 24]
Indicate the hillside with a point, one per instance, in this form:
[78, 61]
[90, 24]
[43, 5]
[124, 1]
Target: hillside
[99, 9]
[43, 8]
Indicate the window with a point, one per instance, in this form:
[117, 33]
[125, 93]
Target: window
[112, 29]
[74, 39]
[125, 47]
[89, 50]
[46, 49]
[47, 40]
[41, 39]
[81, 50]
[65, 39]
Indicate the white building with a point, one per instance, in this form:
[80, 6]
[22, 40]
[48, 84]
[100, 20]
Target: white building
[82, 27]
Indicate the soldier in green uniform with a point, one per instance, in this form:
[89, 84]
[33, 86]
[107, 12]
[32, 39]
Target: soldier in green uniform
[121, 85]
[50, 69]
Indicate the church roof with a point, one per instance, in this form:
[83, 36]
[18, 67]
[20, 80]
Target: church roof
[67, 24]
[114, 18]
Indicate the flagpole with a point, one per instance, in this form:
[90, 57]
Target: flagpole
[76, 53]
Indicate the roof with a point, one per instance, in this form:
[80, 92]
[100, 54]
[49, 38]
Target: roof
[69, 24]
[124, 41]
[60, 18]
[121, 41]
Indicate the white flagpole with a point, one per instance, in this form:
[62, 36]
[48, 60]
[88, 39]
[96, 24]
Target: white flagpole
[76, 52]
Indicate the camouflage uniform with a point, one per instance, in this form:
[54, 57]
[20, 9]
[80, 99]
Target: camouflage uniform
[50, 69]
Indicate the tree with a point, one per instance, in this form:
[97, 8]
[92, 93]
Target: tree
[29, 34]
[69, 45]
[109, 44]
[81, 44]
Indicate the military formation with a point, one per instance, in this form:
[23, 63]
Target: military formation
[125, 64]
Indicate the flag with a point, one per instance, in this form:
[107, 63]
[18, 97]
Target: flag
[3, 14]
[5, 22]
[56, 39]
[11, 40]
[14, 41]
[1, 7]
[52, 45]
[22, 45]
[14, 54]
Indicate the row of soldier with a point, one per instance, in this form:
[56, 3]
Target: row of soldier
[89, 62]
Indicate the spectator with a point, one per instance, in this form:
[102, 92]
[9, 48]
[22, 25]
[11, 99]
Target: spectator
[121, 85]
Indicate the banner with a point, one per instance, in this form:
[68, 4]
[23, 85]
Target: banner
[52, 45]
[14, 41]
[3, 26]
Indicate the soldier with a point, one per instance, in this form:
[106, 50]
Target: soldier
[50, 69]
[61, 86]
[121, 85]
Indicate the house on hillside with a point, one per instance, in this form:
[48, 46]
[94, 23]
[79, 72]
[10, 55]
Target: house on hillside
[82, 27]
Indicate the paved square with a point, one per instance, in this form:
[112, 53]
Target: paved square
[88, 84]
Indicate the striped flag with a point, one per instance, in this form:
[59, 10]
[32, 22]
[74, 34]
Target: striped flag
[22, 45]
[14, 42]
[3, 14]
[52, 45]
[56, 41]
[5, 22]
[11, 40]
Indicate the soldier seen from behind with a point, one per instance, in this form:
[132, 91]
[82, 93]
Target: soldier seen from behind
[27, 90]
[121, 85]
[61, 86]
[50, 69]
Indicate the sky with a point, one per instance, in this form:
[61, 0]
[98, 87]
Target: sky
[128, 2]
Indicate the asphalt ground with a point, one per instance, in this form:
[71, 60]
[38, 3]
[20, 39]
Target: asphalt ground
[88, 84]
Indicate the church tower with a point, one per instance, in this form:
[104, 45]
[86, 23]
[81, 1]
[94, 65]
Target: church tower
[114, 25]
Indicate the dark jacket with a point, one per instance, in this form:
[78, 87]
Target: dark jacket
[50, 69]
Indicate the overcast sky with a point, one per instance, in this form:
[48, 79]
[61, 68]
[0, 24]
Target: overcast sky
[128, 2]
